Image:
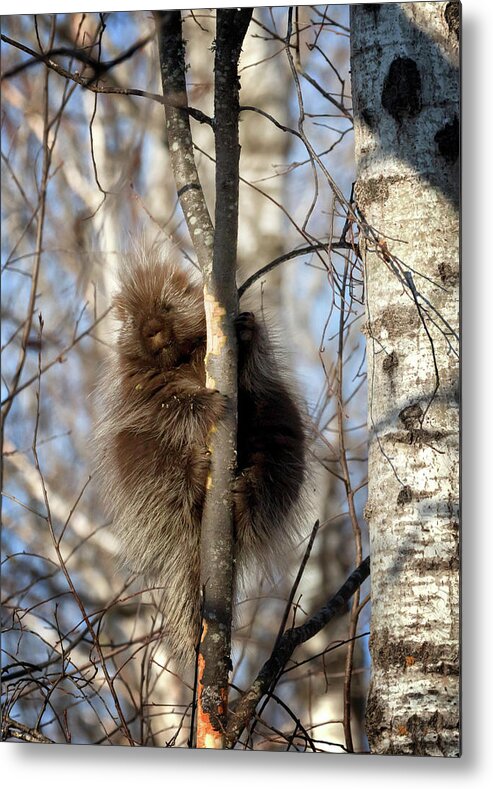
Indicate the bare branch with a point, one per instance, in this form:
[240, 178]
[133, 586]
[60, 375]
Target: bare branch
[295, 253]
[92, 83]
[100, 67]
[188, 187]
[285, 648]
[12, 728]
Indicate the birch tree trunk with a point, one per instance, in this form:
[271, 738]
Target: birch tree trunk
[405, 73]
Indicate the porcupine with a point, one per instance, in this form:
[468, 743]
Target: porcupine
[155, 417]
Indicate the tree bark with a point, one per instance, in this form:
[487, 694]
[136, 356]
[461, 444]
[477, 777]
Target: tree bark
[216, 253]
[405, 74]
[179, 135]
[221, 307]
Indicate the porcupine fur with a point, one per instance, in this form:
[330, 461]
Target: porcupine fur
[155, 415]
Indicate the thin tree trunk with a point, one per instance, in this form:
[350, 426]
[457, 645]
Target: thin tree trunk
[216, 253]
[179, 136]
[405, 73]
[221, 307]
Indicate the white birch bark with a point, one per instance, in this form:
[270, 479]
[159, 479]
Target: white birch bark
[405, 73]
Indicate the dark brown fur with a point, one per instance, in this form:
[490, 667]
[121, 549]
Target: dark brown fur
[156, 414]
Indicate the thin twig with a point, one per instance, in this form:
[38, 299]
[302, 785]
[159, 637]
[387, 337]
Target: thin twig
[286, 646]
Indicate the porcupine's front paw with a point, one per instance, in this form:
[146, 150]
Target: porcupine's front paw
[244, 487]
[246, 327]
[212, 402]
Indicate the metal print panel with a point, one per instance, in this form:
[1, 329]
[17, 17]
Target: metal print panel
[230, 381]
